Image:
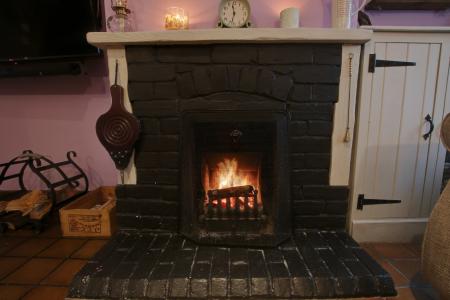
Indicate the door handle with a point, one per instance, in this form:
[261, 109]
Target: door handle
[428, 134]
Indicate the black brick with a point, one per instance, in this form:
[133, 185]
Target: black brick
[286, 54]
[281, 87]
[320, 128]
[312, 111]
[150, 72]
[184, 54]
[234, 54]
[165, 160]
[310, 145]
[336, 207]
[150, 126]
[185, 84]
[158, 176]
[306, 207]
[234, 73]
[166, 90]
[156, 108]
[317, 74]
[202, 80]
[140, 91]
[309, 177]
[249, 77]
[302, 93]
[325, 93]
[129, 221]
[265, 80]
[297, 161]
[219, 78]
[317, 161]
[325, 192]
[298, 128]
[170, 126]
[328, 54]
[167, 143]
[320, 222]
[139, 54]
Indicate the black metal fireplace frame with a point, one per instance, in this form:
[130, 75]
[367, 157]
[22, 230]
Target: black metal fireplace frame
[281, 212]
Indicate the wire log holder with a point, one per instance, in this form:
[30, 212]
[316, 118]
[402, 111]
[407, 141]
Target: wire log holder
[41, 167]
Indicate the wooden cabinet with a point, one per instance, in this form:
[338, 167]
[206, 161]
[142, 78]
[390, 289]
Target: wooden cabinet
[392, 159]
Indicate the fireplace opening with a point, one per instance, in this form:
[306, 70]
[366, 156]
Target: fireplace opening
[235, 186]
[231, 183]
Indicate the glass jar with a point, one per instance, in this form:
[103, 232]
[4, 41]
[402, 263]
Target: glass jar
[176, 18]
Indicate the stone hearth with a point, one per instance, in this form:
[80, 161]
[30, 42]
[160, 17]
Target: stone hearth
[166, 266]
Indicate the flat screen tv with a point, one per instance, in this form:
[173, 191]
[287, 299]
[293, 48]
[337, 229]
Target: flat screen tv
[36, 30]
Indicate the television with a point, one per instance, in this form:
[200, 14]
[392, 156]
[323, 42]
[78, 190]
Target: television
[42, 30]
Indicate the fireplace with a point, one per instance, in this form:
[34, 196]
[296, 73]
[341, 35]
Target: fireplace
[234, 178]
[233, 196]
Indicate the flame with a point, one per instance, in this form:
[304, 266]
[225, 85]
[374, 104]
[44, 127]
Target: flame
[228, 175]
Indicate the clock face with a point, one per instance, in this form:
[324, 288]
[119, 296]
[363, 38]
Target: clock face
[234, 13]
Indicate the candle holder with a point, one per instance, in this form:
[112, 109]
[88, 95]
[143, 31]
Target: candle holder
[122, 21]
[176, 19]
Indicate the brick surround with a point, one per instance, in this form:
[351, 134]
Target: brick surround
[167, 81]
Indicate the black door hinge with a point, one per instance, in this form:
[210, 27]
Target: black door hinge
[363, 201]
[379, 63]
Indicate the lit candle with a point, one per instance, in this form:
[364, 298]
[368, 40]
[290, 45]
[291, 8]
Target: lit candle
[176, 19]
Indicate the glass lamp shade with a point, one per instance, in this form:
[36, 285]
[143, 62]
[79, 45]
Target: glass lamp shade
[122, 20]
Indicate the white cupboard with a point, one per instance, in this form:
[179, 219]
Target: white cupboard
[397, 106]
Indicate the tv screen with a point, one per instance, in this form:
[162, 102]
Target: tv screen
[44, 29]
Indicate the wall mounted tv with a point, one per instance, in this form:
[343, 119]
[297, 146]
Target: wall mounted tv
[45, 30]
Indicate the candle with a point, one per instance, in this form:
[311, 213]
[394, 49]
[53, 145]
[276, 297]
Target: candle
[290, 18]
[176, 18]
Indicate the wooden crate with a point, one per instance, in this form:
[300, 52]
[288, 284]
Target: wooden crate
[92, 215]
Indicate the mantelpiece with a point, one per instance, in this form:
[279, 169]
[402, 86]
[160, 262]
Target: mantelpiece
[351, 39]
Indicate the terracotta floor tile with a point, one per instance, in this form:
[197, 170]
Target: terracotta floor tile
[13, 292]
[62, 248]
[393, 251]
[399, 279]
[54, 231]
[416, 248]
[9, 264]
[89, 249]
[24, 232]
[47, 293]
[408, 267]
[411, 294]
[7, 243]
[371, 251]
[65, 272]
[33, 271]
[30, 247]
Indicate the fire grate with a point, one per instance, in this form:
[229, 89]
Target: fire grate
[233, 203]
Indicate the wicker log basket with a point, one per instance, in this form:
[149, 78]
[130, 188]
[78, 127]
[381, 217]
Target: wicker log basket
[436, 244]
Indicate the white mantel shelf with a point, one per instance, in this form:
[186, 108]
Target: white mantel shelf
[214, 36]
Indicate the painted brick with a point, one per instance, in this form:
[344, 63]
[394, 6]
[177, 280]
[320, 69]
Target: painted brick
[150, 72]
[234, 54]
[184, 54]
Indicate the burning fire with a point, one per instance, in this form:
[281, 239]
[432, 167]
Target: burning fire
[228, 175]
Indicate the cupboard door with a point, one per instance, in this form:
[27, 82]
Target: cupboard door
[392, 155]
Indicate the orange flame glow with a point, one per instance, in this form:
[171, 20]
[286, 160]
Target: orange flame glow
[228, 175]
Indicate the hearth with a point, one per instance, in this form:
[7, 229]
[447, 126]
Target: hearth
[234, 178]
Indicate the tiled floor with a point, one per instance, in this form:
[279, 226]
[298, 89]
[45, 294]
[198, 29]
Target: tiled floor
[42, 266]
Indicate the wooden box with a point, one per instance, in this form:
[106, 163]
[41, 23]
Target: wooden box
[92, 215]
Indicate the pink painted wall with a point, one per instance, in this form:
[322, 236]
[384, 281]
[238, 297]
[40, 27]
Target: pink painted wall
[52, 115]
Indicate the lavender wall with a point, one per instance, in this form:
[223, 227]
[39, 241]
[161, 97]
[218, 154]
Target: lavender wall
[52, 115]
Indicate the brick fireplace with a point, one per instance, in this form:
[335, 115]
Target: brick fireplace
[298, 84]
[232, 197]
